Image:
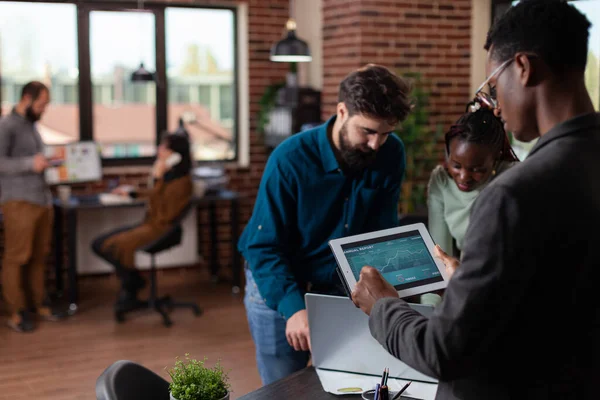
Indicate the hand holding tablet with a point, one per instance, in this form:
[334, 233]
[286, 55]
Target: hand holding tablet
[404, 256]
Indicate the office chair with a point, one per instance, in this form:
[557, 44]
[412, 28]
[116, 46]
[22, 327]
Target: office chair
[126, 380]
[169, 239]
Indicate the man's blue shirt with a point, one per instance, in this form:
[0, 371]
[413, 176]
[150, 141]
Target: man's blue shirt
[305, 200]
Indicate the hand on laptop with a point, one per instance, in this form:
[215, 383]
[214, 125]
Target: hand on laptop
[450, 263]
[296, 331]
[370, 288]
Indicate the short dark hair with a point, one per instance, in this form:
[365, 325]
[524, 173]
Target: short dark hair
[482, 127]
[376, 92]
[33, 89]
[552, 29]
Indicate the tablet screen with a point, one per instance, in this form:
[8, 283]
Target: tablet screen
[402, 259]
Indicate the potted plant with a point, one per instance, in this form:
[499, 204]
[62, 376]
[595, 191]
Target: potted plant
[191, 379]
[266, 104]
[421, 143]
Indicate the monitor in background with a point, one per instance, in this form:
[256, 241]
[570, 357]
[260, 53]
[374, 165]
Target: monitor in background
[73, 163]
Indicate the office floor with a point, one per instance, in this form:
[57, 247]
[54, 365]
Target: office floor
[62, 360]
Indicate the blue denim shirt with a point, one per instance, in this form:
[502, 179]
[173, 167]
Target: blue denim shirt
[305, 200]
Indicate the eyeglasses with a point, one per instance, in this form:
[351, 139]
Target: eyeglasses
[483, 98]
[488, 99]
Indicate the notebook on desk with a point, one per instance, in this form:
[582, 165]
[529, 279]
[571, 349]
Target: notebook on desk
[341, 340]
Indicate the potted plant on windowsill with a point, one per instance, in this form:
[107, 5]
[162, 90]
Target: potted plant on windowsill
[191, 379]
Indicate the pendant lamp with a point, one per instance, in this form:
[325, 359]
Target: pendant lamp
[141, 74]
[291, 48]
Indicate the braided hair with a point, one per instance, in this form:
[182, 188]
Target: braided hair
[482, 127]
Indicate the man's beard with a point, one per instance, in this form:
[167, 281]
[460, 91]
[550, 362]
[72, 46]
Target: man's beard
[31, 115]
[355, 159]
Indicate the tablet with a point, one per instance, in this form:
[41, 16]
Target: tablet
[403, 255]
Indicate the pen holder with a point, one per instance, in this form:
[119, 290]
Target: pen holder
[370, 395]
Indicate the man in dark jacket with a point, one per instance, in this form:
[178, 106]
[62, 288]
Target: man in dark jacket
[521, 316]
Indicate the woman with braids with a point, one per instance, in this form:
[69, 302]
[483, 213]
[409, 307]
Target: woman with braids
[477, 150]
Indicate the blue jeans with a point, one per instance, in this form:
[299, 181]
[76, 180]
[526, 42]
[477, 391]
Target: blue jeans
[275, 358]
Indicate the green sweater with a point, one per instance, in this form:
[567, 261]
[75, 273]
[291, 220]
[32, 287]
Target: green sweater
[449, 208]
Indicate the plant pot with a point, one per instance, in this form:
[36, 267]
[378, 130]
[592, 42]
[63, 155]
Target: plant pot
[226, 397]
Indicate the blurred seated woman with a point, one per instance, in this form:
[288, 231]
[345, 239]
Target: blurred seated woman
[477, 150]
[171, 192]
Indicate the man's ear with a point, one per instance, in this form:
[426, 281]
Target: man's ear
[525, 68]
[342, 111]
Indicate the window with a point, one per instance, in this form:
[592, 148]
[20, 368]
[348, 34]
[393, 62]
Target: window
[124, 112]
[86, 53]
[39, 42]
[200, 75]
[226, 105]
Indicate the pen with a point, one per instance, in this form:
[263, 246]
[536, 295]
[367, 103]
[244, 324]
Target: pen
[397, 396]
[383, 378]
[376, 396]
[384, 393]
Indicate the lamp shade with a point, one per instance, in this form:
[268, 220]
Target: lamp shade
[291, 49]
[142, 75]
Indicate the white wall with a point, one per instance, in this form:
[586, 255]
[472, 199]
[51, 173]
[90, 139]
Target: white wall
[309, 20]
[243, 87]
[92, 223]
[481, 18]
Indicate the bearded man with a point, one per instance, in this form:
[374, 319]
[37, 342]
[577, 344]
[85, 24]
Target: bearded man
[27, 210]
[339, 179]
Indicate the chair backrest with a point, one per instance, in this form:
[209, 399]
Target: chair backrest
[172, 237]
[126, 380]
[186, 210]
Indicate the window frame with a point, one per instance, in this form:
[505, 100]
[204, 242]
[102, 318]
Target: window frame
[85, 89]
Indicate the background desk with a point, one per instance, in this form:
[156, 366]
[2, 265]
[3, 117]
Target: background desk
[303, 384]
[68, 212]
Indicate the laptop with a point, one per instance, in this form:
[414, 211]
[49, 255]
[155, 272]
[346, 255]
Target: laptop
[341, 340]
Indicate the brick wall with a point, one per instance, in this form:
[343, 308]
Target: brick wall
[426, 36]
[429, 37]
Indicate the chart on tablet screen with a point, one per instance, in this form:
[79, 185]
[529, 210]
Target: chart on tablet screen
[401, 260]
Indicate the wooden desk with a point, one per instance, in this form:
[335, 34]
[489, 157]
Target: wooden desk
[69, 211]
[303, 384]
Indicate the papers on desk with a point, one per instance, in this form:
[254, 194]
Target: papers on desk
[333, 381]
[111, 198]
